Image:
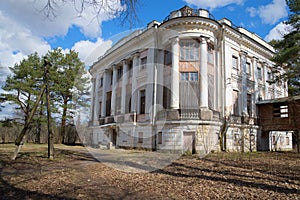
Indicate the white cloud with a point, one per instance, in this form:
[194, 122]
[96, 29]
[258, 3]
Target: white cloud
[89, 51]
[271, 13]
[213, 4]
[23, 26]
[278, 32]
[30, 14]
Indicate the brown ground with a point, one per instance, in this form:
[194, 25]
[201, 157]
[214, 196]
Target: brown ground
[75, 174]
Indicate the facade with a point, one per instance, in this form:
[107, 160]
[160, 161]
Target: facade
[190, 83]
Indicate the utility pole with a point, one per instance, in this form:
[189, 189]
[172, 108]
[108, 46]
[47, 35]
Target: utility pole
[47, 64]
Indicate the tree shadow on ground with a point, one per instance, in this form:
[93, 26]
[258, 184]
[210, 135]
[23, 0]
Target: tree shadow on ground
[178, 169]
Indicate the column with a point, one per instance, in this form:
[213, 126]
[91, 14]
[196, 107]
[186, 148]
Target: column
[203, 74]
[175, 74]
[96, 102]
[124, 83]
[265, 81]
[160, 78]
[134, 93]
[103, 109]
[150, 82]
[114, 91]
[93, 100]
[243, 55]
[256, 89]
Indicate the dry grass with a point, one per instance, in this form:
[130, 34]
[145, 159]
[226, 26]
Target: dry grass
[75, 174]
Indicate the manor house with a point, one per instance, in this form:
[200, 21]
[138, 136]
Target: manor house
[189, 83]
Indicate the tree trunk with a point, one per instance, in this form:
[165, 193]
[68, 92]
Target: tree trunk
[19, 140]
[63, 120]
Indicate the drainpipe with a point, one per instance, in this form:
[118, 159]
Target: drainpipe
[154, 89]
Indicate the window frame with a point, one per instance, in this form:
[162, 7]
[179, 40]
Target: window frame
[189, 50]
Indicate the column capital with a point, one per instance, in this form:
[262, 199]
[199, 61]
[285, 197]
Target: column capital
[203, 40]
[254, 58]
[174, 40]
[124, 61]
[243, 53]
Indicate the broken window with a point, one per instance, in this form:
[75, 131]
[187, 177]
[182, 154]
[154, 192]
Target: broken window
[280, 110]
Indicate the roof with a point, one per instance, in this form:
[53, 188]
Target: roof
[279, 100]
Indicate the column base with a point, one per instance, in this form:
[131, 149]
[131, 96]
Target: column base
[205, 114]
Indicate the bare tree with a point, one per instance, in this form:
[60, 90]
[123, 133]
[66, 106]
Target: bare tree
[127, 13]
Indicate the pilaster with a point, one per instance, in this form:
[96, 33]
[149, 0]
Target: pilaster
[124, 83]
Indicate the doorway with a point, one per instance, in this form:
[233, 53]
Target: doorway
[189, 142]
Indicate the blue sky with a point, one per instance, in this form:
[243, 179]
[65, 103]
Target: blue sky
[24, 28]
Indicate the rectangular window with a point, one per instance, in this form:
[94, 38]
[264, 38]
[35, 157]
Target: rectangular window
[189, 50]
[159, 138]
[259, 73]
[119, 73]
[100, 109]
[193, 76]
[101, 82]
[210, 55]
[111, 78]
[184, 76]
[168, 58]
[189, 76]
[130, 69]
[249, 104]
[248, 69]
[235, 62]
[142, 101]
[143, 62]
[140, 139]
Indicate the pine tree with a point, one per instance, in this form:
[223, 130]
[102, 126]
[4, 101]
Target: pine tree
[288, 51]
[24, 85]
[70, 85]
